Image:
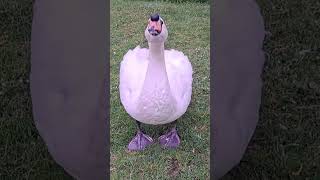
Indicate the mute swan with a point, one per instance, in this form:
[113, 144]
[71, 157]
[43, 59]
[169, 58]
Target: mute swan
[155, 85]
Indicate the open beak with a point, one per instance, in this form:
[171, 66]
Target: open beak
[154, 27]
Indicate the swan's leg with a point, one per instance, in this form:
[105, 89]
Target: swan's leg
[139, 126]
[170, 139]
[140, 141]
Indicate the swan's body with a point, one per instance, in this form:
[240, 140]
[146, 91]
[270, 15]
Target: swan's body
[155, 85]
[155, 92]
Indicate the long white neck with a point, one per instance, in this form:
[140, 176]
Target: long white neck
[156, 51]
[156, 76]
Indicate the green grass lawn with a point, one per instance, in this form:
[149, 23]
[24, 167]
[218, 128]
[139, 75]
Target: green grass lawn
[189, 29]
[286, 143]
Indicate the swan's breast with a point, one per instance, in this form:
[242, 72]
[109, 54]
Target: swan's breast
[156, 106]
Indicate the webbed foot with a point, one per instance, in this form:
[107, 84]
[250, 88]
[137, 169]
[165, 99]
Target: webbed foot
[170, 139]
[140, 142]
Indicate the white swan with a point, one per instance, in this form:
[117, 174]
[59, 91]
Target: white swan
[155, 85]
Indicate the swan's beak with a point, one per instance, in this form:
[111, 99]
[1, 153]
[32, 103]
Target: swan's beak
[154, 27]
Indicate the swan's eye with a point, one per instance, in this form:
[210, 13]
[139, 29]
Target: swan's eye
[161, 20]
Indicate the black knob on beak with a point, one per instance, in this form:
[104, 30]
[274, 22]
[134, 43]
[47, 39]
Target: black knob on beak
[155, 17]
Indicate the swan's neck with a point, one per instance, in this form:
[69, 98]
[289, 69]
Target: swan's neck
[156, 78]
[156, 52]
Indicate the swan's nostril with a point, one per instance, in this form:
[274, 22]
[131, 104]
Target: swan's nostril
[151, 29]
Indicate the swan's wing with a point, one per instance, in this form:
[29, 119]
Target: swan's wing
[179, 72]
[132, 74]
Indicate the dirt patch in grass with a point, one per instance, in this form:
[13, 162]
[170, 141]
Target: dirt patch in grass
[174, 168]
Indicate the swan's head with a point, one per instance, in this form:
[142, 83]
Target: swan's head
[156, 30]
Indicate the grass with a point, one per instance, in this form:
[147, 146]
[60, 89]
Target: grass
[178, 1]
[23, 154]
[286, 143]
[189, 27]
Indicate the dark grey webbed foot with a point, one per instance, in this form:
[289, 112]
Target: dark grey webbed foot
[170, 139]
[140, 142]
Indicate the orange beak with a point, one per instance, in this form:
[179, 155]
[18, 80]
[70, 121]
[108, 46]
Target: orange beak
[154, 26]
